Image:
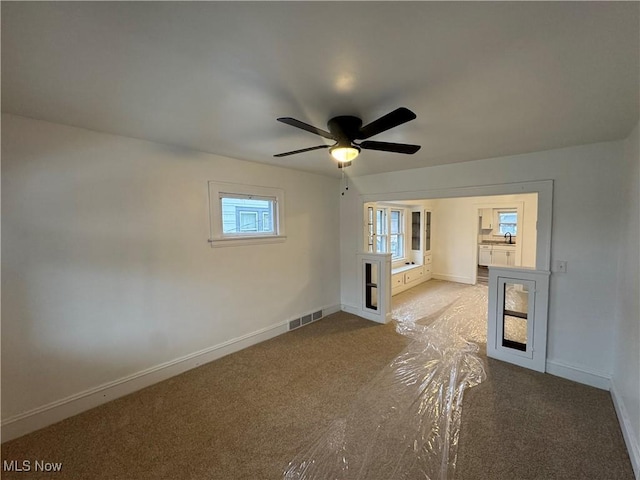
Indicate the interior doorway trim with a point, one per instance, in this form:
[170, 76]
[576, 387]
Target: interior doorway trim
[544, 189]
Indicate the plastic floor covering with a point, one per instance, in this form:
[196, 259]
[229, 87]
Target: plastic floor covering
[405, 424]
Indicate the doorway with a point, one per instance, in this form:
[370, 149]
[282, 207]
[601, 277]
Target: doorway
[449, 234]
[453, 239]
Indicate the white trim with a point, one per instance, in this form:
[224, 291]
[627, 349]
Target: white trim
[330, 310]
[382, 312]
[594, 379]
[452, 278]
[350, 309]
[219, 189]
[627, 430]
[358, 312]
[53, 412]
[234, 242]
[537, 318]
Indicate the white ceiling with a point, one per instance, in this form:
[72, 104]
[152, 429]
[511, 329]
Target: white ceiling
[485, 79]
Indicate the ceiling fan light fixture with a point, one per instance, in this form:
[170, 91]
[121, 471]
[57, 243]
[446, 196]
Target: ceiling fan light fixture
[344, 154]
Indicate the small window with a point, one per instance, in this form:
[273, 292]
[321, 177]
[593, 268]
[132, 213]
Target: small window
[386, 231]
[508, 223]
[370, 230]
[243, 214]
[396, 238]
[381, 230]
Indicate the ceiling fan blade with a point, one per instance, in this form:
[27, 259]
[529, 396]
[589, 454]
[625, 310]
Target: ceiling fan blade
[305, 126]
[286, 154]
[393, 119]
[390, 147]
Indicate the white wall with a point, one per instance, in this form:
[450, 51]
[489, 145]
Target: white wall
[106, 269]
[455, 233]
[626, 366]
[587, 207]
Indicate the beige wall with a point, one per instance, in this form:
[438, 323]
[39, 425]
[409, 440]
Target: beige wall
[626, 366]
[586, 214]
[106, 268]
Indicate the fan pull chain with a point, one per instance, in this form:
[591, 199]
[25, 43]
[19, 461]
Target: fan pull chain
[345, 181]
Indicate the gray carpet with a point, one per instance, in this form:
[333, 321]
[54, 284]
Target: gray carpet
[247, 415]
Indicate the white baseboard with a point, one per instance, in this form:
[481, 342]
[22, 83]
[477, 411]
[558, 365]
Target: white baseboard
[593, 379]
[366, 315]
[331, 310]
[630, 437]
[452, 278]
[350, 309]
[46, 415]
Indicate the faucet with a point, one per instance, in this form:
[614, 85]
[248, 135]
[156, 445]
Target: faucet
[505, 238]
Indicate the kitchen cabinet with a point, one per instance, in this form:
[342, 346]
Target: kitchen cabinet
[499, 255]
[484, 255]
[487, 219]
[503, 256]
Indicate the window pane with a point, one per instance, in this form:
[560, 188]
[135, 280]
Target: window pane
[508, 228]
[381, 244]
[395, 221]
[508, 217]
[507, 222]
[248, 222]
[516, 312]
[396, 246]
[246, 215]
[381, 222]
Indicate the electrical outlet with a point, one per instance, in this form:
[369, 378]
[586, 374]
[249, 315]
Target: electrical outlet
[561, 266]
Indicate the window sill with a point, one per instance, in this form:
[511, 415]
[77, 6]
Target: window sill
[234, 242]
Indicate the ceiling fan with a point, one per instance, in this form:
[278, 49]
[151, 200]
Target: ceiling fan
[345, 130]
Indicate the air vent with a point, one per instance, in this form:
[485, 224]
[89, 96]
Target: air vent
[294, 324]
[305, 319]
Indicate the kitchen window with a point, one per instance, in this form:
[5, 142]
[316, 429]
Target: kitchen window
[507, 222]
[245, 214]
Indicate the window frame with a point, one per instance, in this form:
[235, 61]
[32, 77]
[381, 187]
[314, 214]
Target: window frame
[219, 190]
[382, 229]
[379, 232]
[499, 224]
[400, 235]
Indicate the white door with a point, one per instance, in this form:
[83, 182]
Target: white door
[517, 326]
